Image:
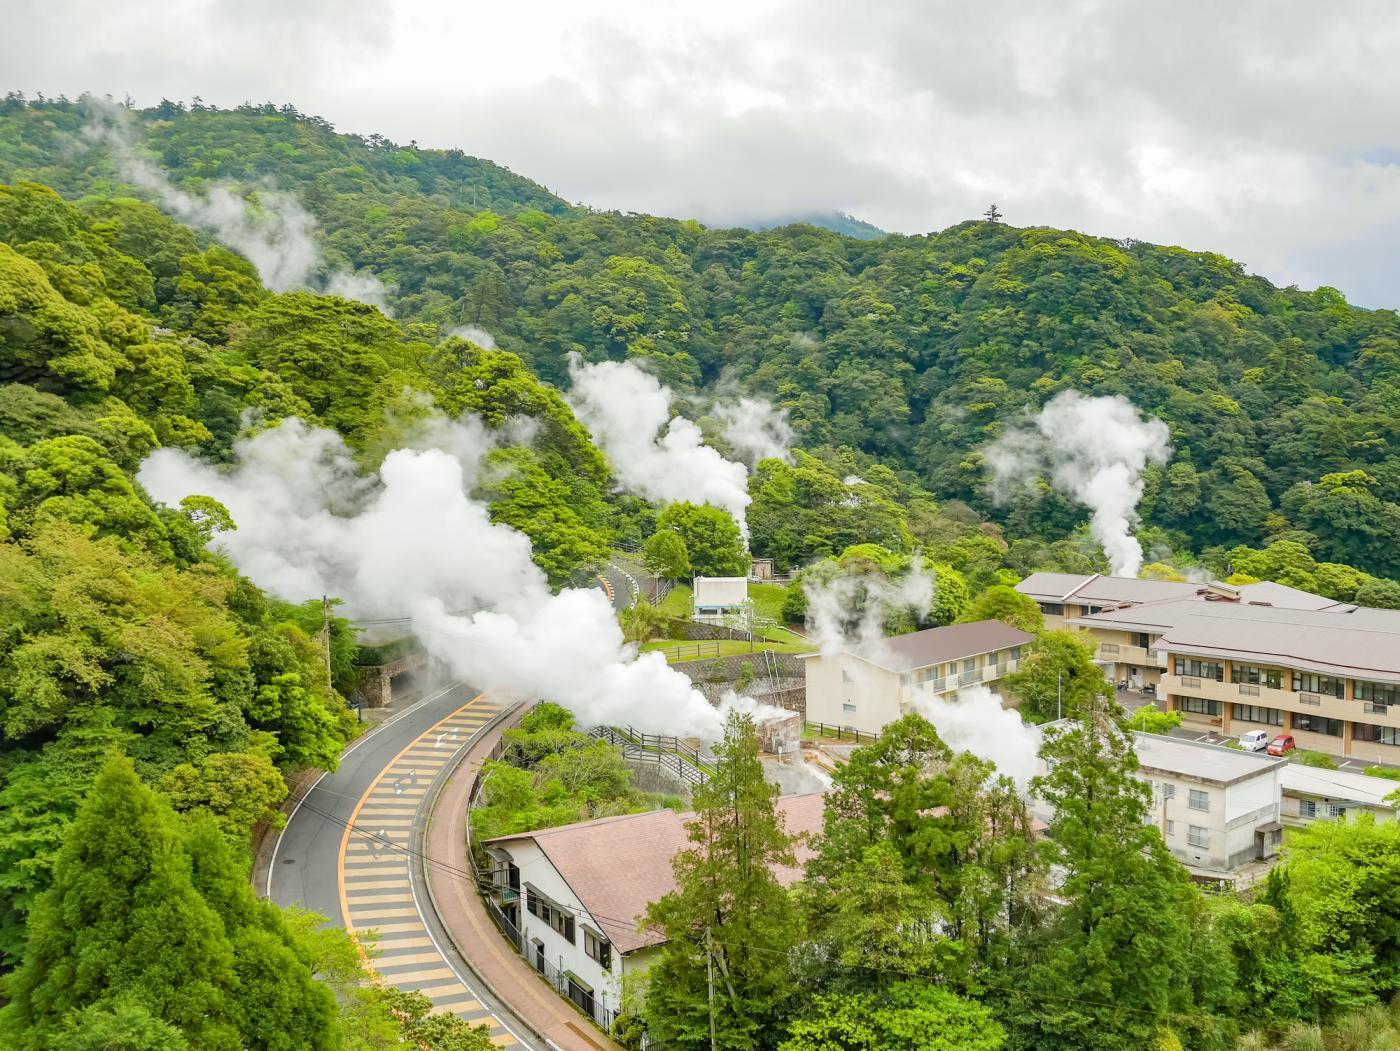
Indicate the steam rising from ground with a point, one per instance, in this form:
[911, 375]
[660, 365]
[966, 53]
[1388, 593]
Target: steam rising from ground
[657, 456]
[756, 430]
[1094, 450]
[412, 542]
[976, 722]
[848, 612]
[275, 233]
[475, 334]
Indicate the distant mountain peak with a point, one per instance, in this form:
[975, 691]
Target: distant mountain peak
[835, 221]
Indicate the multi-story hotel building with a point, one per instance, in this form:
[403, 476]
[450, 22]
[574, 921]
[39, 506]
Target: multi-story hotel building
[1254, 657]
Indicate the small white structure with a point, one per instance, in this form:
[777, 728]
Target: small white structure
[1218, 808]
[1311, 794]
[868, 686]
[719, 600]
[575, 894]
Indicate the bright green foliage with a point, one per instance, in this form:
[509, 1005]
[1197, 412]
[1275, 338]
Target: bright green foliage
[1343, 887]
[1149, 719]
[666, 556]
[642, 622]
[440, 1031]
[809, 510]
[933, 850]
[553, 775]
[951, 595]
[1057, 675]
[711, 539]
[123, 922]
[1123, 935]
[120, 1026]
[238, 789]
[728, 911]
[1007, 605]
[912, 1016]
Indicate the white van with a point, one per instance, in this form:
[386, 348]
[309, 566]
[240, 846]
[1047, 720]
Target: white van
[1254, 740]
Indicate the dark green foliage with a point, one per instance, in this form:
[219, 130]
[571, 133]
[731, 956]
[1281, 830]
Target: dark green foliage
[728, 912]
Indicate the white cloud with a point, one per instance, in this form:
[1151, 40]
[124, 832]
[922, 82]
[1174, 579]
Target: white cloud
[1264, 130]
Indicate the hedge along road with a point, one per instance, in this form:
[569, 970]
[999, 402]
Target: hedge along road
[348, 852]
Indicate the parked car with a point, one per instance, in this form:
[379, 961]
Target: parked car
[1282, 745]
[1254, 740]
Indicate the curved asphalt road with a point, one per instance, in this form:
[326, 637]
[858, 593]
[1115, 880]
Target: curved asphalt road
[344, 853]
[617, 584]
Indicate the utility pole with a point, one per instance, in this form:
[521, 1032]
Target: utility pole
[710, 982]
[1059, 692]
[326, 639]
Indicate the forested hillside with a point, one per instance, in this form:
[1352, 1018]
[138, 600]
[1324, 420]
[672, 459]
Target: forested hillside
[1284, 405]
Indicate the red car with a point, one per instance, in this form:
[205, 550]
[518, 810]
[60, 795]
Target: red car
[1281, 745]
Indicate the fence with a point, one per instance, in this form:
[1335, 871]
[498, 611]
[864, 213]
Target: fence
[693, 650]
[841, 733]
[670, 753]
[562, 981]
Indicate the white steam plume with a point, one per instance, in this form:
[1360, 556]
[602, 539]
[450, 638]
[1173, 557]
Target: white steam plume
[849, 611]
[1095, 450]
[976, 722]
[413, 543]
[657, 456]
[756, 430]
[475, 334]
[276, 234]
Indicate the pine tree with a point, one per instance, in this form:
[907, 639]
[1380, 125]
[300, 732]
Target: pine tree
[729, 918]
[1109, 972]
[123, 924]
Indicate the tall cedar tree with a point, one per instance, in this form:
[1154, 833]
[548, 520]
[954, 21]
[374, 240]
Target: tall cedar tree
[963, 841]
[728, 899]
[1109, 973]
[152, 927]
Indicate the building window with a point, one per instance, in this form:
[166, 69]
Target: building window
[1376, 734]
[1256, 676]
[598, 948]
[1307, 682]
[1199, 800]
[1015, 653]
[1377, 692]
[1200, 669]
[1168, 790]
[969, 665]
[1252, 713]
[1140, 640]
[1171, 827]
[1198, 705]
[847, 676]
[1317, 724]
[847, 706]
[1336, 810]
[559, 921]
[1307, 808]
[1197, 836]
[1052, 609]
[904, 679]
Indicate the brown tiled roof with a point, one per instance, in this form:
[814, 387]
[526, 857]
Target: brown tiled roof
[1099, 590]
[617, 866]
[919, 649]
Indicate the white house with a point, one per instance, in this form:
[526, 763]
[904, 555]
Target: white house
[1218, 808]
[867, 686]
[573, 895]
[714, 600]
[1311, 793]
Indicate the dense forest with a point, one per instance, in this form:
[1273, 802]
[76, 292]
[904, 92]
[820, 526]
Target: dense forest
[909, 351]
[153, 701]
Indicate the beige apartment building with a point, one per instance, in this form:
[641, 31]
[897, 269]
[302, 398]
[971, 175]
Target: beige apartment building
[1130, 651]
[865, 687]
[1257, 657]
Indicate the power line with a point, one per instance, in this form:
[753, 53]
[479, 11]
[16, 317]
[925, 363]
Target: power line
[631, 925]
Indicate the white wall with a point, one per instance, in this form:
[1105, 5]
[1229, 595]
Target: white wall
[537, 871]
[873, 691]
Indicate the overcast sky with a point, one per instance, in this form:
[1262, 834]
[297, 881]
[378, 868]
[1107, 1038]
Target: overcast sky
[1269, 131]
